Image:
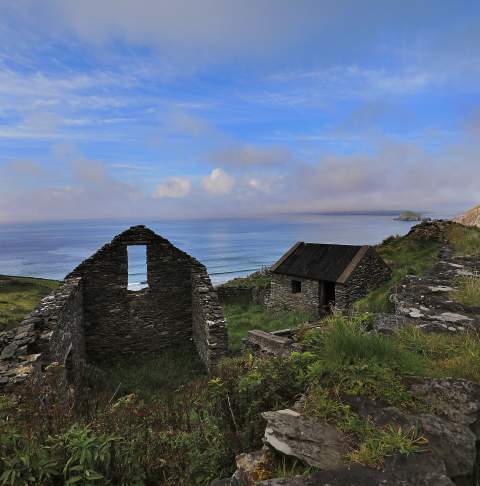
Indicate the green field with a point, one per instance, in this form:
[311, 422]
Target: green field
[19, 296]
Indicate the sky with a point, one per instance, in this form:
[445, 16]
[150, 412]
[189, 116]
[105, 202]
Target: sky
[237, 108]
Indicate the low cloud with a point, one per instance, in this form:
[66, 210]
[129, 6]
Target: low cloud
[218, 182]
[174, 187]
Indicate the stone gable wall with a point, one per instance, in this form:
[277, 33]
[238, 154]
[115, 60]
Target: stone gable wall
[281, 296]
[209, 325]
[52, 333]
[94, 316]
[120, 321]
[370, 273]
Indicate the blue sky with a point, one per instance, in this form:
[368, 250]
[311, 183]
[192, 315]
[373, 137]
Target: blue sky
[151, 108]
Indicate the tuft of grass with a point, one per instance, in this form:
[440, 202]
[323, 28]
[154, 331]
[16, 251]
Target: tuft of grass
[445, 355]
[468, 292]
[19, 296]
[242, 318]
[465, 240]
[406, 255]
[379, 443]
[346, 341]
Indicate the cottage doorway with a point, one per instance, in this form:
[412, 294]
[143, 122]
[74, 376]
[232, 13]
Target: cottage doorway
[326, 296]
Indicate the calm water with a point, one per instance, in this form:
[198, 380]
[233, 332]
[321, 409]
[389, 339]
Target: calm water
[228, 248]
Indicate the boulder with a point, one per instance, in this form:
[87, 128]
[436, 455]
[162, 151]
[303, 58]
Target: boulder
[317, 443]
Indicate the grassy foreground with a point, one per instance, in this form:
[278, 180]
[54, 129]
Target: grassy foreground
[19, 296]
[186, 429]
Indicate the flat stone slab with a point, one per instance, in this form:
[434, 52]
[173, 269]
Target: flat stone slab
[450, 317]
[317, 443]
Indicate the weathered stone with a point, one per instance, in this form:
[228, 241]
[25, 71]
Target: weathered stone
[427, 301]
[267, 343]
[414, 470]
[252, 467]
[316, 443]
[8, 351]
[453, 442]
[456, 400]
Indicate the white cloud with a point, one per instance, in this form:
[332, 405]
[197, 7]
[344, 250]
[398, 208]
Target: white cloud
[174, 187]
[267, 185]
[218, 182]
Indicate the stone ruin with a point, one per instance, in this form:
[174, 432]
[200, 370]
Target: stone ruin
[93, 315]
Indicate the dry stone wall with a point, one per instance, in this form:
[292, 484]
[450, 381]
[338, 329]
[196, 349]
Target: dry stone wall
[208, 321]
[370, 273]
[281, 296]
[52, 333]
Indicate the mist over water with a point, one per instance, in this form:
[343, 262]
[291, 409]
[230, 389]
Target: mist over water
[228, 247]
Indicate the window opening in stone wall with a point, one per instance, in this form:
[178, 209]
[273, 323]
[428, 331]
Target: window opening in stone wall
[296, 286]
[137, 267]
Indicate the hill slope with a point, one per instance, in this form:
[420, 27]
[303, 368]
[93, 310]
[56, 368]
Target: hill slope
[470, 218]
[19, 296]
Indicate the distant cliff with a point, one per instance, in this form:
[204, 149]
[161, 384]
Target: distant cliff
[470, 218]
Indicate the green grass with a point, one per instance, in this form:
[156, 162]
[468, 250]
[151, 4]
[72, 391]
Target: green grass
[406, 256]
[152, 375]
[465, 240]
[468, 291]
[444, 355]
[260, 279]
[243, 318]
[19, 296]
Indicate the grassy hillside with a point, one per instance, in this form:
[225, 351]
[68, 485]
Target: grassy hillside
[409, 255]
[19, 296]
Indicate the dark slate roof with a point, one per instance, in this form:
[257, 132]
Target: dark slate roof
[318, 261]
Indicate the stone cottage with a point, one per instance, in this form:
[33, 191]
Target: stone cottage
[94, 315]
[315, 277]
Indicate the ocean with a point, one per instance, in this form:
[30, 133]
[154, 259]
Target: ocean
[227, 247]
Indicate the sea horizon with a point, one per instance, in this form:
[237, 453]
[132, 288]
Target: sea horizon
[228, 247]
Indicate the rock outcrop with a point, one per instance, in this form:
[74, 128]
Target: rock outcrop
[414, 470]
[426, 301]
[470, 218]
[449, 422]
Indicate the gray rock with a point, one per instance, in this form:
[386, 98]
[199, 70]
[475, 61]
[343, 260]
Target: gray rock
[415, 470]
[316, 443]
[456, 400]
[9, 351]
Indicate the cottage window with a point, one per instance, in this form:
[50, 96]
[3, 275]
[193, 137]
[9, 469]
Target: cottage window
[137, 267]
[296, 286]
